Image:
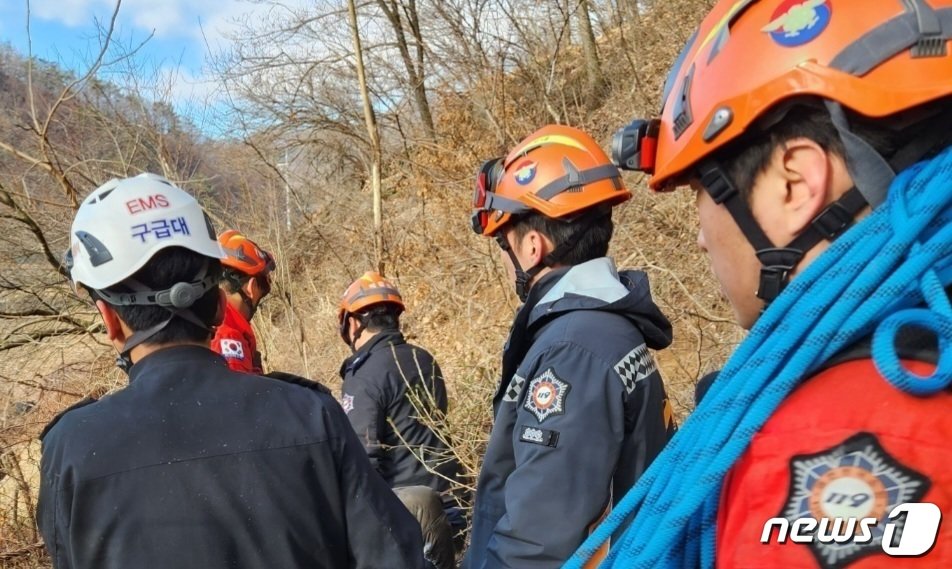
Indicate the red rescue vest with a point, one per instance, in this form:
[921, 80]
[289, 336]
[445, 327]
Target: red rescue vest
[845, 443]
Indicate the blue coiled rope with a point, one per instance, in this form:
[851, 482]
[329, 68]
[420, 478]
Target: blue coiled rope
[874, 279]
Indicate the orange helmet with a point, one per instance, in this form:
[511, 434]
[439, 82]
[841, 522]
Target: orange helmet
[243, 255]
[749, 57]
[558, 171]
[750, 61]
[370, 289]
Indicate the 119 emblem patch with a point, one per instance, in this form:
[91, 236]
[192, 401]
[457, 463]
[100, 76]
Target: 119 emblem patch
[546, 395]
[855, 479]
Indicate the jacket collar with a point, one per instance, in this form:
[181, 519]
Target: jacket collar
[235, 319]
[592, 284]
[597, 278]
[597, 285]
[380, 340]
[182, 355]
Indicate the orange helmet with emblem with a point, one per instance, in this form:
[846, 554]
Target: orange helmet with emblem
[244, 255]
[558, 171]
[369, 290]
[749, 57]
[751, 61]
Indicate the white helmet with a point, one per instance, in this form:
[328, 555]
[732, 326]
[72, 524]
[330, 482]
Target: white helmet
[124, 223]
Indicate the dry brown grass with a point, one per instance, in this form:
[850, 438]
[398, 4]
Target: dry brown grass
[38, 381]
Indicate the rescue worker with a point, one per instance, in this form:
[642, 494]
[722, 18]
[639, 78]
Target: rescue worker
[581, 409]
[246, 280]
[392, 393]
[193, 465]
[816, 136]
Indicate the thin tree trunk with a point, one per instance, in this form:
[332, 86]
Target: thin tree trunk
[593, 72]
[376, 154]
[415, 73]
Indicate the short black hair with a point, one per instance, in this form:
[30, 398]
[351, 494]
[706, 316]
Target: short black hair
[378, 317]
[596, 226]
[746, 159]
[164, 269]
[233, 280]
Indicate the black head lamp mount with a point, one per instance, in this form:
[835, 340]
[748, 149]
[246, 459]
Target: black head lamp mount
[634, 146]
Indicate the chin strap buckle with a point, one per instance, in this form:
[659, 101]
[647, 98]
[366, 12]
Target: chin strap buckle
[777, 263]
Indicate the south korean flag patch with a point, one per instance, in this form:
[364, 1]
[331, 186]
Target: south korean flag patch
[546, 395]
[232, 349]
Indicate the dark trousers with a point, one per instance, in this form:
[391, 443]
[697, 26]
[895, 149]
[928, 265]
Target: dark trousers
[427, 507]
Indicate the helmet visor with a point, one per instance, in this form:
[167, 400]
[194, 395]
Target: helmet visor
[486, 180]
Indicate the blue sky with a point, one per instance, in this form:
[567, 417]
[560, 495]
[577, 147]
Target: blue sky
[183, 32]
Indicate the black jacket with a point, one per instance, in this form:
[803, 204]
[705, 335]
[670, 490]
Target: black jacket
[580, 412]
[193, 465]
[381, 382]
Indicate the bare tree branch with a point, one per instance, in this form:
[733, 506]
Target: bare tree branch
[23, 217]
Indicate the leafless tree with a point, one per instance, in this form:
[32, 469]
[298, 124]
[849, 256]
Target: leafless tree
[376, 154]
[403, 17]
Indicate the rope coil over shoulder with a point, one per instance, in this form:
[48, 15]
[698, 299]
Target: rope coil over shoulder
[888, 271]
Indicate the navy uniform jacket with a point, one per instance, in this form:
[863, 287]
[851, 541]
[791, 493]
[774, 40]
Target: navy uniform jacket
[579, 414]
[381, 382]
[195, 466]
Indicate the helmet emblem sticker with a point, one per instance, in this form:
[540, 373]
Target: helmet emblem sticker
[546, 395]
[855, 479]
[796, 22]
[525, 172]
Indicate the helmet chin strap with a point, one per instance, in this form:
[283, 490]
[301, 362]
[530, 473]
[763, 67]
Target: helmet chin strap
[345, 335]
[124, 360]
[777, 263]
[523, 277]
[251, 307]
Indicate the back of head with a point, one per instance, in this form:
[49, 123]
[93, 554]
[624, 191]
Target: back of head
[164, 271]
[147, 248]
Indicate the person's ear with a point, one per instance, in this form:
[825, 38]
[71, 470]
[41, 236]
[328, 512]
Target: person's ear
[808, 172]
[115, 329]
[352, 324]
[534, 246]
[250, 287]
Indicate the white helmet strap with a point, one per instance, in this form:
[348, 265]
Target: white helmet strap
[176, 299]
[178, 296]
